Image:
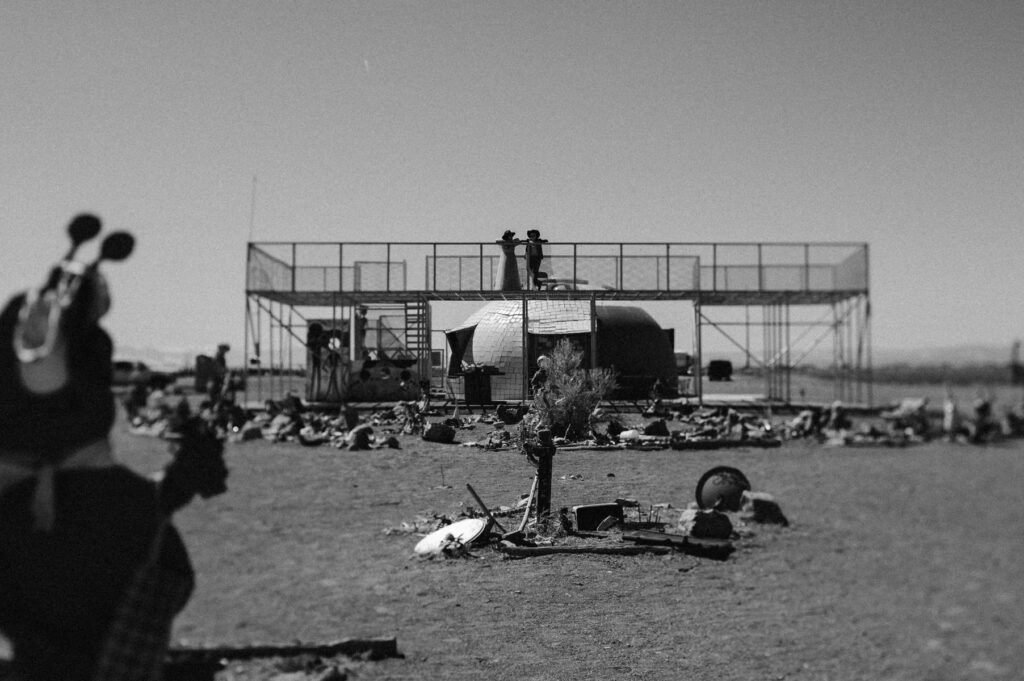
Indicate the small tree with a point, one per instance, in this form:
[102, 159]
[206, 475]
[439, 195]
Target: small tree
[565, 404]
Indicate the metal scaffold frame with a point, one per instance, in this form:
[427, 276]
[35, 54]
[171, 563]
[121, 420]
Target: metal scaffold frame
[383, 293]
[786, 344]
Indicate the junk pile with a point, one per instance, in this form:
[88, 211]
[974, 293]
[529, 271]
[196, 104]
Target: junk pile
[724, 509]
[724, 427]
[711, 428]
[291, 421]
[910, 421]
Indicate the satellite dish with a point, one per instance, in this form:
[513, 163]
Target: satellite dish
[722, 487]
[464, 531]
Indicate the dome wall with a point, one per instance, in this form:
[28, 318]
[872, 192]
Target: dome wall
[628, 338]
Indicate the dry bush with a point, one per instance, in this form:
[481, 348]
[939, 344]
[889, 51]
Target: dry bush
[572, 393]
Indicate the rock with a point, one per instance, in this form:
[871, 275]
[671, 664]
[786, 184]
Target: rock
[761, 507]
[439, 432]
[659, 428]
[705, 524]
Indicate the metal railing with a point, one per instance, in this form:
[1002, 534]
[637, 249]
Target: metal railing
[474, 266]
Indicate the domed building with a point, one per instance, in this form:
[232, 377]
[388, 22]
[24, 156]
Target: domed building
[627, 339]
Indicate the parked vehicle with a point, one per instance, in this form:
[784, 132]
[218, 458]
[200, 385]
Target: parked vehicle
[719, 370]
[128, 373]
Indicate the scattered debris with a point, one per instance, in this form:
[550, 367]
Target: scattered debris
[592, 516]
[715, 549]
[620, 550]
[705, 529]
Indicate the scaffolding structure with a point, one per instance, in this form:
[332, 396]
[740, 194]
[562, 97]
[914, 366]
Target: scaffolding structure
[379, 295]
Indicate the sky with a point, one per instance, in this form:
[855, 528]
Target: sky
[199, 126]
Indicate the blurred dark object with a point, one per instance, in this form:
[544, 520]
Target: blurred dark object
[719, 370]
[198, 466]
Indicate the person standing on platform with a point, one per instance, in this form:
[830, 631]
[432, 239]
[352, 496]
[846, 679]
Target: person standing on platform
[534, 254]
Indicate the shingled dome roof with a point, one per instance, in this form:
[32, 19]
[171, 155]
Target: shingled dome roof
[628, 338]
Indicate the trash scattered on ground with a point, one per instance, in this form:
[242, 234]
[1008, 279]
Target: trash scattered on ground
[709, 527]
[662, 425]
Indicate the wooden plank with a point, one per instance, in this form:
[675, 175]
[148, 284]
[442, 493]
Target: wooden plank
[531, 551]
[716, 549]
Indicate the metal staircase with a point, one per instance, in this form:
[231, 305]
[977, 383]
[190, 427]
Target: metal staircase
[417, 334]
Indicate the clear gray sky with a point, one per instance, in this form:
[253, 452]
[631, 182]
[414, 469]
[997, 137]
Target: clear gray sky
[896, 123]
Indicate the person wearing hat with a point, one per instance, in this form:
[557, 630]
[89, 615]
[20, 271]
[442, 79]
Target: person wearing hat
[539, 380]
[215, 388]
[534, 254]
[91, 571]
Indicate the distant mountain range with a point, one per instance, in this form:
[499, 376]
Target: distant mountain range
[958, 355]
[165, 359]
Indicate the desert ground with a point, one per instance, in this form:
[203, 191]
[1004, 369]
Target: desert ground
[900, 563]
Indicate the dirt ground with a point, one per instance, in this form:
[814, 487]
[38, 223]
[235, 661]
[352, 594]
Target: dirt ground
[899, 564]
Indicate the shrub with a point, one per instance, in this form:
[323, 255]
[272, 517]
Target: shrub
[572, 393]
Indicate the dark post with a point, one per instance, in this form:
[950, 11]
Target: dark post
[545, 453]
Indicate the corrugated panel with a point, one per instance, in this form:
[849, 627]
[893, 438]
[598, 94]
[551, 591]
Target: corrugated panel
[547, 317]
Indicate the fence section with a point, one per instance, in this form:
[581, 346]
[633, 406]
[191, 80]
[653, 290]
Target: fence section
[478, 267]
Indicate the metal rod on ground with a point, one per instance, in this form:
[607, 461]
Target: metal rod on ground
[529, 503]
[487, 511]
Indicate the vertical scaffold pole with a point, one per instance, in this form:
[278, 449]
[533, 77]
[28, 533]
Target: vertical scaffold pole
[259, 338]
[593, 331]
[526, 349]
[270, 347]
[836, 364]
[245, 350]
[870, 368]
[789, 360]
[280, 346]
[698, 379]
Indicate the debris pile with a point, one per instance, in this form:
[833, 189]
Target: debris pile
[722, 514]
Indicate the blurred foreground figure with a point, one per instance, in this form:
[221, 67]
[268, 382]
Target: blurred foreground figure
[91, 571]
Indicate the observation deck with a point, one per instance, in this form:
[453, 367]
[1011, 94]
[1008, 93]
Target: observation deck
[348, 273]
